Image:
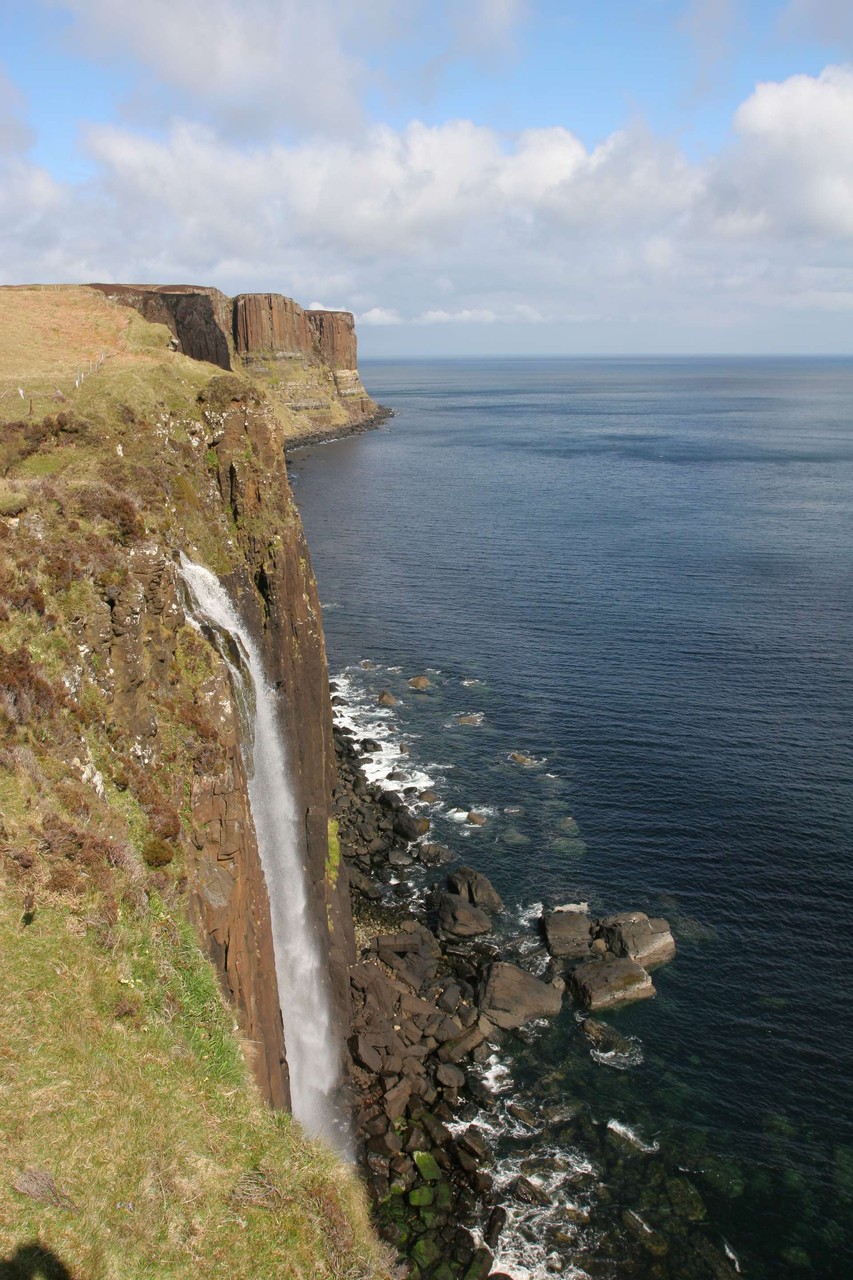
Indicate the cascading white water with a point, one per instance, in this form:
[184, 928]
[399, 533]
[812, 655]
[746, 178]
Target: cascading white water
[312, 1055]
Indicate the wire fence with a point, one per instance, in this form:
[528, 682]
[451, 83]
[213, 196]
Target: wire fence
[86, 370]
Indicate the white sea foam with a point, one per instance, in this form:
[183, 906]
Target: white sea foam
[530, 914]
[525, 1249]
[583, 907]
[732, 1256]
[496, 1075]
[620, 1059]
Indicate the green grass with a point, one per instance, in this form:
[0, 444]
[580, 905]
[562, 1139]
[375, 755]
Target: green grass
[121, 1078]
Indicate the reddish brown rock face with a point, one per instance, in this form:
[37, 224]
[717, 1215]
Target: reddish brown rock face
[269, 323]
[335, 336]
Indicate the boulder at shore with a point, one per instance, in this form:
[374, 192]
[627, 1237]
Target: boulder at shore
[458, 917]
[511, 996]
[568, 934]
[600, 983]
[477, 888]
[633, 934]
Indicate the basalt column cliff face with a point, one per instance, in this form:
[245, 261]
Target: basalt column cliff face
[307, 359]
[150, 456]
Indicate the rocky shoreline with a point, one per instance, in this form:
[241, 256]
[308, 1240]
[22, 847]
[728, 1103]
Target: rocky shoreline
[433, 998]
[325, 435]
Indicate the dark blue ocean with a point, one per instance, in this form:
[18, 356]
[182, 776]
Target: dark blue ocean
[639, 572]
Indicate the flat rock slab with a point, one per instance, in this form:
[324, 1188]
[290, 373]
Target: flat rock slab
[568, 934]
[511, 996]
[600, 983]
[635, 935]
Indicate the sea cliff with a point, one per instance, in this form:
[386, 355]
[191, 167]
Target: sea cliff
[141, 424]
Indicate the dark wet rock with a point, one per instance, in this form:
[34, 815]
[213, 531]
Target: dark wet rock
[685, 1199]
[511, 996]
[450, 997]
[428, 797]
[419, 682]
[386, 699]
[408, 827]
[712, 1261]
[365, 1054]
[606, 1039]
[479, 1266]
[396, 1100]
[443, 1029]
[651, 1240]
[476, 819]
[632, 934]
[518, 757]
[398, 858]
[412, 953]
[476, 887]
[495, 1225]
[455, 1050]
[522, 1114]
[386, 1144]
[600, 983]
[449, 1076]
[526, 1192]
[391, 800]
[472, 1142]
[568, 934]
[396, 775]
[438, 1132]
[434, 854]
[369, 745]
[457, 917]
[363, 884]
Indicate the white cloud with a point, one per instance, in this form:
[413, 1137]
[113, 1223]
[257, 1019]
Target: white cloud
[456, 225]
[378, 317]
[794, 171]
[466, 316]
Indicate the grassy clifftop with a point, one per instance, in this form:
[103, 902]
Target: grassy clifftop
[136, 1143]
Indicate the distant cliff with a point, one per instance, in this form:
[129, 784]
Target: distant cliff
[308, 359]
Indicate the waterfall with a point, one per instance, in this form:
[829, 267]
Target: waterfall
[310, 1044]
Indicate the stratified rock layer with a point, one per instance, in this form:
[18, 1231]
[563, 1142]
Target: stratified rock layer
[267, 333]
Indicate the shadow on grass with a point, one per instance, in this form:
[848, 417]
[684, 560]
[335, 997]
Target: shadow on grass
[33, 1262]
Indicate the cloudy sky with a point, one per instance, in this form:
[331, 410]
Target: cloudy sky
[467, 176]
